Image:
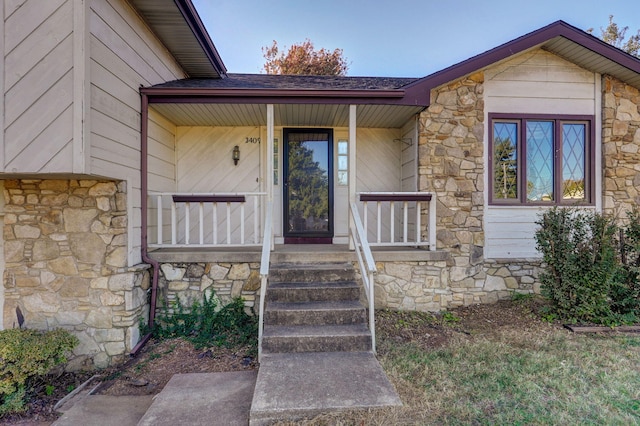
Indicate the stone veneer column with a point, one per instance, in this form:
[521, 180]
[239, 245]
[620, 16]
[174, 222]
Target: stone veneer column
[621, 146]
[66, 265]
[451, 164]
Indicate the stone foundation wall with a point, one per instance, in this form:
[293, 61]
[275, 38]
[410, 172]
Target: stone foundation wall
[65, 245]
[187, 282]
[621, 146]
[427, 286]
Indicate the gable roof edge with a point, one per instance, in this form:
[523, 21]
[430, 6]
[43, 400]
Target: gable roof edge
[535, 38]
[190, 15]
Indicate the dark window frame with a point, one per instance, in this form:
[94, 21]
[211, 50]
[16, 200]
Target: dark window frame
[558, 120]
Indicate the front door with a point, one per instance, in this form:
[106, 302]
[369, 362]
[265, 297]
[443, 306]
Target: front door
[308, 186]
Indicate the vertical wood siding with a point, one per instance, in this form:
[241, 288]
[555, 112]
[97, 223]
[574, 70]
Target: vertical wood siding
[38, 86]
[537, 82]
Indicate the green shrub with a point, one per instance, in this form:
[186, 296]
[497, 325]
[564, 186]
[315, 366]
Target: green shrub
[584, 276]
[205, 323]
[25, 354]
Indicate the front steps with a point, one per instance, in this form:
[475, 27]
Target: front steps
[316, 346]
[314, 308]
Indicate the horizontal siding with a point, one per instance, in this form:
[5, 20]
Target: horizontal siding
[38, 85]
[537, 82]
[510, 232]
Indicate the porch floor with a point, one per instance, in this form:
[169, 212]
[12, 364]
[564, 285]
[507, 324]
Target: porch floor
[284, 253]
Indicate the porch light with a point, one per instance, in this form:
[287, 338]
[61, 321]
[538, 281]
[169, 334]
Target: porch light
[236, 155]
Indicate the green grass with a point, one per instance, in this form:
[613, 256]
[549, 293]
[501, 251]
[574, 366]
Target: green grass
[535, 375]
[522, 378]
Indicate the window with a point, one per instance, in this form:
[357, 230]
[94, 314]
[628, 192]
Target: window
[541, 159]
[343, 162]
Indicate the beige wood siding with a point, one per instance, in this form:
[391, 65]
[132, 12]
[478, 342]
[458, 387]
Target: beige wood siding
[536, 82]
[38, 86]
[378, 167]
[125, 54]
[204, 165]
[409, 156]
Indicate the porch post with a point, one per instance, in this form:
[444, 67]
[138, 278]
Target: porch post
[269, 179]
[352, 165]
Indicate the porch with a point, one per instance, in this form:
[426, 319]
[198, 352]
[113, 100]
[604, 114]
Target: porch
[292, 253]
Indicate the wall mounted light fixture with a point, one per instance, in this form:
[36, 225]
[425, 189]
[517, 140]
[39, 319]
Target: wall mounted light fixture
[236, 155]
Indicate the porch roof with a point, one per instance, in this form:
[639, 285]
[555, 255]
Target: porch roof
[241, 99]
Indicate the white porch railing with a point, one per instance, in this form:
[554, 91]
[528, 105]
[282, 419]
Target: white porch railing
[367, 267]
[398, 218]
[206, 219]
[267, 247]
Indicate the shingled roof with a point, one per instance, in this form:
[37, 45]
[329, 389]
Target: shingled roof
[294, 82]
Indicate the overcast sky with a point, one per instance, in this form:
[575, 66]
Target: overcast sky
[397, 38]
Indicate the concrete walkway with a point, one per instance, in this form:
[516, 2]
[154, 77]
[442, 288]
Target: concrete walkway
[189, 399]
[299, 385]
[288, 386]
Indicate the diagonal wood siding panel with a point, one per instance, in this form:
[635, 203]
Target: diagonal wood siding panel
[38, 86]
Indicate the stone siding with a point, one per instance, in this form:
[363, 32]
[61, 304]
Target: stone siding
[621, 146]
[65, 248]
[187, 282]
[426, 286]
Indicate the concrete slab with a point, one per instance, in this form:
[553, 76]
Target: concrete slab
[106, 410]
[296, 385]
[203, 399]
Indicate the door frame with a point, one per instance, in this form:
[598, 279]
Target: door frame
[325, 237]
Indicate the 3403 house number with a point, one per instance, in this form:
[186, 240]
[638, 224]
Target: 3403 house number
[252, 140]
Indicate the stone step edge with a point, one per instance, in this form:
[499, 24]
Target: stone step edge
[312, 284]
[333, 330]
[338, 305]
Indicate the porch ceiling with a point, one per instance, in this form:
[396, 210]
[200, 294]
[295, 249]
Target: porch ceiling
[312, 115]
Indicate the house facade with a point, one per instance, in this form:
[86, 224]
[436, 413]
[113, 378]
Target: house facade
[135, 168]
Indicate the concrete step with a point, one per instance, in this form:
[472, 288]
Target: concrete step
[312, 292]
[314, 272]
[325, 338]
[314, 313]
[297, 385]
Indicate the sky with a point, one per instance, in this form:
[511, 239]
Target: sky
[394, 38]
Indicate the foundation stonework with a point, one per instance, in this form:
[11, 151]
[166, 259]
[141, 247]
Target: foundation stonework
[188, 282]
[65, 247]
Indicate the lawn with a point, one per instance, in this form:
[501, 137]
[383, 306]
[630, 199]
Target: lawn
[501, 364]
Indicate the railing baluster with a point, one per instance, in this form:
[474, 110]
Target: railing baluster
[392, 218]
[432, 223]
[366, 216]
[174, 224]
[242, 223]
[228, 223]
[215, 223]
[201, 222]
[379, 221]
[187, 221]
[159, 218]
[418, 224]
[256, 238]
[405, 220]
